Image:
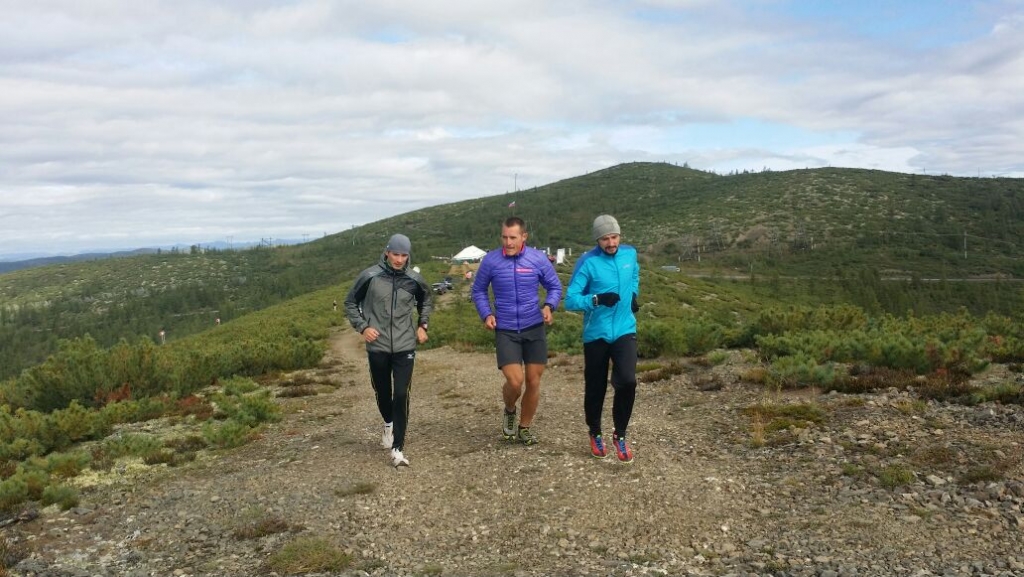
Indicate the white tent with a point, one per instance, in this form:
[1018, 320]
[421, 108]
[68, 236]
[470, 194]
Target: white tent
[469, 254]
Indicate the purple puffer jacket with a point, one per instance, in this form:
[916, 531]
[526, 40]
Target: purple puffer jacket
[514, 282]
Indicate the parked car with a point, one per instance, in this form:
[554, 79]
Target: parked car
[442, 287]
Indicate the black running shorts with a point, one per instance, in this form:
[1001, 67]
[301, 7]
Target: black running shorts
[529, 346]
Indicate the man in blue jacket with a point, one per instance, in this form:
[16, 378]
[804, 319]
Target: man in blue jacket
[515, 272]
[604, 286]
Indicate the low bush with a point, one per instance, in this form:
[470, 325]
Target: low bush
[308, 555]
[228, 434]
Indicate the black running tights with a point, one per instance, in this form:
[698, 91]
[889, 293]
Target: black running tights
[621, 355]
[391, 377]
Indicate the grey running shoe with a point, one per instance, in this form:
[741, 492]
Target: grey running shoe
[387, 438]
[526, 436]
[508, 425]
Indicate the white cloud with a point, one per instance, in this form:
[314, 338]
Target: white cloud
[138, 123]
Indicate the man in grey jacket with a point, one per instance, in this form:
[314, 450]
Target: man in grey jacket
[380, 306]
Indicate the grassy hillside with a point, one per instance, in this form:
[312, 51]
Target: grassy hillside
[840, 232]
[796, 222]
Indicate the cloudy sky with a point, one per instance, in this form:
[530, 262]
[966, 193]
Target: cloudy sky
[128, 123]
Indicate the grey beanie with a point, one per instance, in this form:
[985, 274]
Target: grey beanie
[399, 243]
[605, 224]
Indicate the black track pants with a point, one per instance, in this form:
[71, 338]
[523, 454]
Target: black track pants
[597, 355]
[391, 376]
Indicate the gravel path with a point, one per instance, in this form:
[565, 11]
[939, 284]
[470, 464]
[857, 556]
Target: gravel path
[710, 492]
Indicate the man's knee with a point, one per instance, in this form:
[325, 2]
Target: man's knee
[624, 385]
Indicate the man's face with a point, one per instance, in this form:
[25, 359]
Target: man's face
[609, 243]
[397, 260]
[512, 239]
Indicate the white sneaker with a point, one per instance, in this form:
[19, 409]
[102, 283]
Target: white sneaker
[387, 438]
[398, 459]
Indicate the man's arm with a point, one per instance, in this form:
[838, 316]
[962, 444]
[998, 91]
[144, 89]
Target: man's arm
[424, 306]
[481, 280]
[424, 302]
[356, 295]
[551, 283]
[576, 297]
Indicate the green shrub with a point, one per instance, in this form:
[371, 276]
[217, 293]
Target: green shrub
[186, 444]
[895, 476]
[13, 492]
[801, 370]
[308, 555]
[161, 456]
[11, 553]
[227, 435]
[717, 357]
[62, 495]
[76, 423]
[132, 444]
[249, 410]
[238, 386]
[67, 465]
[261, 526]
[1006, 393]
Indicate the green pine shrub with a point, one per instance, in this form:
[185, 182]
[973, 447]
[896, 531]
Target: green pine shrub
[62, 495]
[227, 435]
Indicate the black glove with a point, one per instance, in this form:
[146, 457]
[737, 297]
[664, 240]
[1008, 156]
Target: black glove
[634, 305]
[607, 299]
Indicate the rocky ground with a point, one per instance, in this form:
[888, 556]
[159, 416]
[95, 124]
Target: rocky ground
[884, 484]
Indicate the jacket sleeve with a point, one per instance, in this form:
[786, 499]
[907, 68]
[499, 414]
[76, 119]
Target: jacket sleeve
[353, 300]
[481, 280]
[552, 284]
[424, 301]
[636, 275]
[576, 297]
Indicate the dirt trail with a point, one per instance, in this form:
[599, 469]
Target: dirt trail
[697, 500]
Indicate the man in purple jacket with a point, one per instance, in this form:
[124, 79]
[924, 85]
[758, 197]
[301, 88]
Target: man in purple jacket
[515, 272]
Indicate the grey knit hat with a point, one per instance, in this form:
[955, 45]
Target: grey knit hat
[399, 243]
[605, 224]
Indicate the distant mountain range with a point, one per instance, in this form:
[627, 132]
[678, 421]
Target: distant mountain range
[20, 261]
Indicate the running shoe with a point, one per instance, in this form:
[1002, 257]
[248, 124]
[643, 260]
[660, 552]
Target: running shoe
[597, 448]
[508, 425]
[387, 438]
[622, 448]
[526, 436]
[398, 459]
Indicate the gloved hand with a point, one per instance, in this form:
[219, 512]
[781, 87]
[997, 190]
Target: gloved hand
[608, 299]
[634, 305]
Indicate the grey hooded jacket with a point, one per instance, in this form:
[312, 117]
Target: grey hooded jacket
[385, 299]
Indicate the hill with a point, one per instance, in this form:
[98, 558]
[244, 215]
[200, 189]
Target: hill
[10, 266]
[853, 227]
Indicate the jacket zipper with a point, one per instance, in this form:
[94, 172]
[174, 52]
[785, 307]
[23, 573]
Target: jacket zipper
[515, 289]
[394, 305]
